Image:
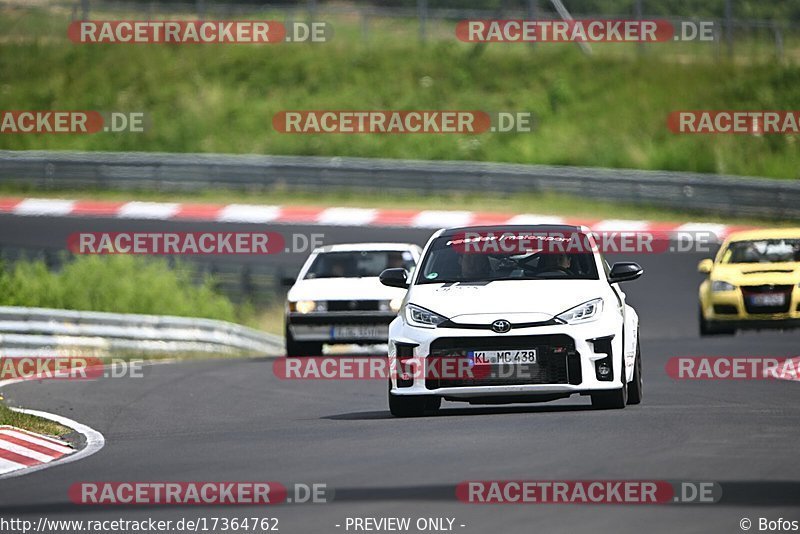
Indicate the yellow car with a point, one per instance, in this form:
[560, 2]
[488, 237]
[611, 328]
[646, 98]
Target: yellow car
[754, 282]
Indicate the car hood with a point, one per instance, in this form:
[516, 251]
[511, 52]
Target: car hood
[369, 288]
[754, 274]
[527, 300]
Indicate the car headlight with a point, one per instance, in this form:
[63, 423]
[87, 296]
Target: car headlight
[418, 316]
[719, 285]
[396, 304]
[390, 305]
[305, 306]
[582, 313]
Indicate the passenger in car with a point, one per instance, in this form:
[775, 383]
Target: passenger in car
[474, 266]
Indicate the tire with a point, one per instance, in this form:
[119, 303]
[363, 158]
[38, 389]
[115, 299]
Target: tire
[635, 385]
[412, 405]
[432, 404]
[301, 348]
[707, 330]
[407, 405]
[614, 399]
[703, 324]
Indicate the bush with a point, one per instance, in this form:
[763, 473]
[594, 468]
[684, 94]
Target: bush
[120, 284]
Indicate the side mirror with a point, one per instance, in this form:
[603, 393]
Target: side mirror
[705, 266]
[624, 271]
[397, 277]
[288, 281]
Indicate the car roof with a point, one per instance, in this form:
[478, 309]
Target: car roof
[767, 233]
[513, 228]
[360, 247]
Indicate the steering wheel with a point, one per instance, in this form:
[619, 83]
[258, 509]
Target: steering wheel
[555, 269]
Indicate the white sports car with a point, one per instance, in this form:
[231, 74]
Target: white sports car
[338, 298]
[514, 324]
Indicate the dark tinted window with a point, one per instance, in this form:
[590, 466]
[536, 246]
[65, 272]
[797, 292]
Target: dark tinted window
[358, 263]
[763, 251]
[445, 263]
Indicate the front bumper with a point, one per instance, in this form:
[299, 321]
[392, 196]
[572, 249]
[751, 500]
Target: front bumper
[340, 327]
[733, 309]
[567, 360]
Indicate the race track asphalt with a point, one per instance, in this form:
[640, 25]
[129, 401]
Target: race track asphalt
[225, 420]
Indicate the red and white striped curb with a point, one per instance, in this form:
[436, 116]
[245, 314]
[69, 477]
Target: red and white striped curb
[20, 449]
[337, 216]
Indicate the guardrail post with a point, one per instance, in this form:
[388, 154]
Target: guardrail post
[729, 27]
[533, 14]
[365, 24]
[422, 15]
[312, 10]
[778, 41]
[637, 14]
[246, 283]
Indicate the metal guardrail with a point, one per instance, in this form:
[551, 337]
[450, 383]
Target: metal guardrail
[27, 330]
[726, 195]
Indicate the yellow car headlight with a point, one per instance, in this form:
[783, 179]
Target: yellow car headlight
[305, 306]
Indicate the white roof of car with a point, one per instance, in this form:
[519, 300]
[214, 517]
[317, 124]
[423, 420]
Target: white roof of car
[357, 247]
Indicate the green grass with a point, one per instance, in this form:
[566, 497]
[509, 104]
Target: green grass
[608, 110]
[30, 422]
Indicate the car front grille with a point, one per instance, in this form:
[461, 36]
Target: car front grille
[557, 361]
[353, 305]
[749, 291]
[339, 319]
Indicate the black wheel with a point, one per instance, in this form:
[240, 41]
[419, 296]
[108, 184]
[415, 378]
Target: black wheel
[707, 330]
[613, 399]
[610, 400]
[407, 405]
[301, 348]
[432, 404]
[635, 385]
[704, 330]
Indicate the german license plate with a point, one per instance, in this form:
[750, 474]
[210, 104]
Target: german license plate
[359, 332]
[502, 357]
[768, 299]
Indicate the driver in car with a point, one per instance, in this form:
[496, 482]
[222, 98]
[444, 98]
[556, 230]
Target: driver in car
[555, 262]
[474, 266]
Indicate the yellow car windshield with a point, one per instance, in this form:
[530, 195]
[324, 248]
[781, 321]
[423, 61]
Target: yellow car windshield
[762, 251]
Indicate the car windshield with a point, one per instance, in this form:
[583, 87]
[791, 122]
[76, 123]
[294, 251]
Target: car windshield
[358, 264]
[445, 262]
[762, 251]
